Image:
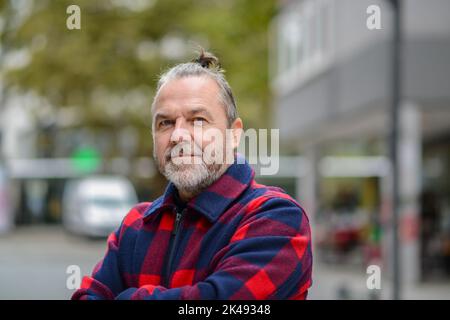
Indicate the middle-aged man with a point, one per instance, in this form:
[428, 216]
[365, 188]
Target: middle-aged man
[215, 233]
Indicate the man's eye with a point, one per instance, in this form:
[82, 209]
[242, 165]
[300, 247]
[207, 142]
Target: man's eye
[199, 120]
[165, 123]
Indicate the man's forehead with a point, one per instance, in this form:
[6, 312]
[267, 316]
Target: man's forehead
[189, 88]
[189, 110]
[189, 94]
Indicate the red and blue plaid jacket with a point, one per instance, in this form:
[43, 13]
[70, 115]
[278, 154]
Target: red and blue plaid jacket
[236, 240]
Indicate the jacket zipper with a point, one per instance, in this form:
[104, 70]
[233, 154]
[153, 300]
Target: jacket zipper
[173, 241]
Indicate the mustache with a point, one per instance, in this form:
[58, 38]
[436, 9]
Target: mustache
[183, 149]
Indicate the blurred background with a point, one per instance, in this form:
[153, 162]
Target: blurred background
[76, 145]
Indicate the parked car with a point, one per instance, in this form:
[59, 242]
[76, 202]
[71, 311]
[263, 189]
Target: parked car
[96, 205]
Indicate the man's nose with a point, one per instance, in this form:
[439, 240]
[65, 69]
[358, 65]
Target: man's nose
[180, 133]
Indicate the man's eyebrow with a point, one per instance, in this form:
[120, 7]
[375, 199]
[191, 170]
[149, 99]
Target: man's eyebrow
[200, 110]
[160, 115]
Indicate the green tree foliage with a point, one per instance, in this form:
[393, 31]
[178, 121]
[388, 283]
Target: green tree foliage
[107, 70]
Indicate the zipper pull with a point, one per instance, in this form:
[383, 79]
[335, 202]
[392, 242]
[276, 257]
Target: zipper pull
[177, 223]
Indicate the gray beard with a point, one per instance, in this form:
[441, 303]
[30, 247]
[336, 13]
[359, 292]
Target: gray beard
[192, 178]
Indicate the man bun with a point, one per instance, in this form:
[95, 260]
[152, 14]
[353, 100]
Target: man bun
[207, 60]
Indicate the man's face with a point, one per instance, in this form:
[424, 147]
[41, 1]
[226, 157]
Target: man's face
[184, 110]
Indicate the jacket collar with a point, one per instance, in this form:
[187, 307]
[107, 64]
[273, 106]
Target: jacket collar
[213, 201]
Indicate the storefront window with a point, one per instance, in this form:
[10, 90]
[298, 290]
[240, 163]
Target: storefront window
[435, 212]
[348, 221]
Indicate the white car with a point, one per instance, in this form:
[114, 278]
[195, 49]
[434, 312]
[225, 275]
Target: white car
[96, 205]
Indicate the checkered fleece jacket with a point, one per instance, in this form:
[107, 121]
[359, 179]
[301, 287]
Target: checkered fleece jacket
[236, 240]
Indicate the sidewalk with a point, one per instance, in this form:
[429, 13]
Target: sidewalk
[34, 261]
[338, 282]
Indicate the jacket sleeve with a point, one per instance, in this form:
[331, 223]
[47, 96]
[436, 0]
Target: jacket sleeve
[269, 257]
[105, 281]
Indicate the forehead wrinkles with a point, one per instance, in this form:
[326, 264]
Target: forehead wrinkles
[192, 90]
[190, 85]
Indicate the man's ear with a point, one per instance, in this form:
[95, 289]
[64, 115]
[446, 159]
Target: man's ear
[237, 127]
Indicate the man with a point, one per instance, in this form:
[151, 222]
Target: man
[215, 233]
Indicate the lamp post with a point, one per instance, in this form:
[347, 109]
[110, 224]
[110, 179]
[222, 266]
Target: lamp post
[393, 143]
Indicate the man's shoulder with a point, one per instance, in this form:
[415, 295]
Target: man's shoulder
[268, 199]
[261, 193]
[267, 208]
[136, 213]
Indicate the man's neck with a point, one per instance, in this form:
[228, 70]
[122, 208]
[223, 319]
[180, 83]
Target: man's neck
[185, 195]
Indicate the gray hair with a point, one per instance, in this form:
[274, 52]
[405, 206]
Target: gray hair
[206, 64]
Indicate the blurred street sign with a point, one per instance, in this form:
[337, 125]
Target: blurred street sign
[86, 160]
[76, 166]
[41, 168]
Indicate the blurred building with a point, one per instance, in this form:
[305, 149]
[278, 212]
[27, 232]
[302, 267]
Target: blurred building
[18, 136]
[42, 147]
[331, 78]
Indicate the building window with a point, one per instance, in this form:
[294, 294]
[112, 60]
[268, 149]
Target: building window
[303, 32]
